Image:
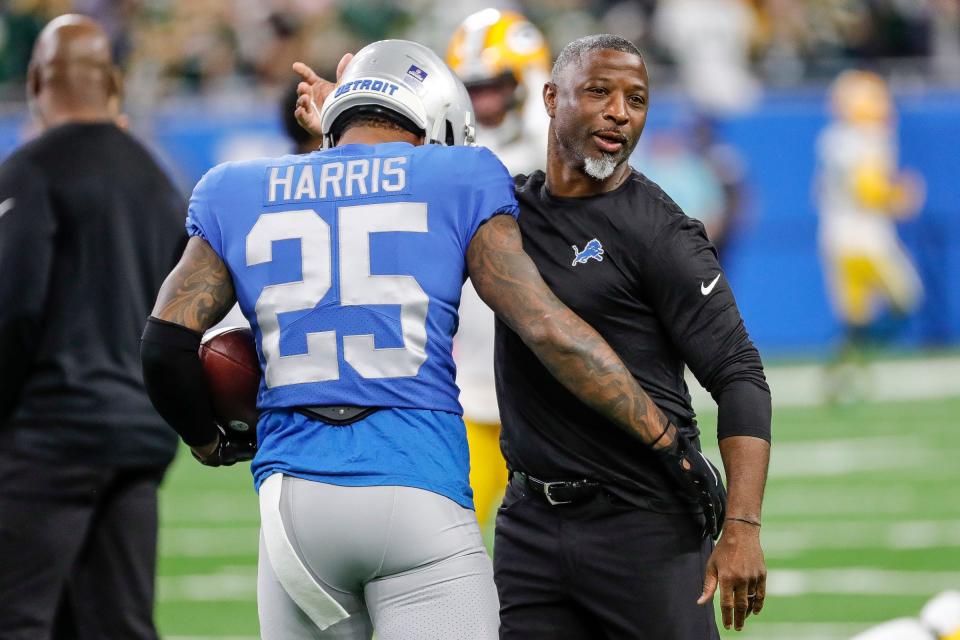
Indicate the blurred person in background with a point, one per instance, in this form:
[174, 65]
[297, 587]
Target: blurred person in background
[710, 41]
[861, 194]
[672, 163]
[20, 24]
[89, 227]
[503, 60]
[703, 176]
[939, 620]
[730, 170]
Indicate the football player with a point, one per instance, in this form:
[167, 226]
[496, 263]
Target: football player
[862, 194]
[939, 620]
[348, 263]
[503, 60]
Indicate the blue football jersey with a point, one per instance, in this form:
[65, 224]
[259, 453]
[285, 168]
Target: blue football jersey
[348, 264]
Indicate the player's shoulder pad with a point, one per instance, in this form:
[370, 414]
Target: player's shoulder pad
[214, 175]
[487, 160]
[468, 163]
[461, 152]
[242, 169]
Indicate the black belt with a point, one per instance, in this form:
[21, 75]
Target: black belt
[559, 492]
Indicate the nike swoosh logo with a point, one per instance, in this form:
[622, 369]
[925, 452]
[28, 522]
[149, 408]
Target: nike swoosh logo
[6, 205]
[706, 289]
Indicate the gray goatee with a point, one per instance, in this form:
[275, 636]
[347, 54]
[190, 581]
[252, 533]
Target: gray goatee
[600, 168]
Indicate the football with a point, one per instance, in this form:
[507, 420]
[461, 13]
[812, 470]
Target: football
[232, 372]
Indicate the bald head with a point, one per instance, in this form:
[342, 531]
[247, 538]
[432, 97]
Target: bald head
[72, 76]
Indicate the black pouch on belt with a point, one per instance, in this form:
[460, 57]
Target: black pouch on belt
[339, 415]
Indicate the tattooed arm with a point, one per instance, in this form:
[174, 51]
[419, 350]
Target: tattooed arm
[508, 281]
[198, 293]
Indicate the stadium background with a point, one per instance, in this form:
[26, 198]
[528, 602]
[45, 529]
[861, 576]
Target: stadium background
[862, 522]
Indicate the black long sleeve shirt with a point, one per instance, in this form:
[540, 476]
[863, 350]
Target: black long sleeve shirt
[644, 275]
[90, 227]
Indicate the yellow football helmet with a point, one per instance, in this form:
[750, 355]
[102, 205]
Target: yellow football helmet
[493, 43]
[861, 97]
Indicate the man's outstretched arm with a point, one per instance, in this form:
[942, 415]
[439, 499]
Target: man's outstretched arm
[196, 295]
[582, 361]
[509, 282]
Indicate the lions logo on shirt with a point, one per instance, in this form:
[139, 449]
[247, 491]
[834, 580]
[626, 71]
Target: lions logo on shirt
[593, 249]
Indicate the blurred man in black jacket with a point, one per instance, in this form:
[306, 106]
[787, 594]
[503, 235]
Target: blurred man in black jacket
[90, 225]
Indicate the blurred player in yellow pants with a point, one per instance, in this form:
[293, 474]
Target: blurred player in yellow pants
[503, 60]
[862, 193]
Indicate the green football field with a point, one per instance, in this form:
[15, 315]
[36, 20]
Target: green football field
[861, 524]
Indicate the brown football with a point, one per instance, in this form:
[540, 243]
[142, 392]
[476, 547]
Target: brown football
[232, 372]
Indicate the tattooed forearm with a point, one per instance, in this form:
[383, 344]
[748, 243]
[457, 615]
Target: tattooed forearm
[508, 281]
[198, 293]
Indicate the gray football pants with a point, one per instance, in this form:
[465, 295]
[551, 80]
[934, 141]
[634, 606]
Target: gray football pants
[406, 562]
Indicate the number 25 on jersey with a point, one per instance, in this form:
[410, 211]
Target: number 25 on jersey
[358, 287]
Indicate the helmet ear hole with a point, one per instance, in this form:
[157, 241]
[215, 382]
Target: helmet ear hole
[449, 137]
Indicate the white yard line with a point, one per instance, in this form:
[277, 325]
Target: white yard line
[757, 630]
[859, 581]
[240, 583]
[837, 500]
[849, 455]
[788, 540]
[237, 584]
[217, 542]
[890, 380]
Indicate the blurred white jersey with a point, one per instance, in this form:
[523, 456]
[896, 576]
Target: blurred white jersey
[939, 620]
[899, 629]
[520, 143]
[847, 225]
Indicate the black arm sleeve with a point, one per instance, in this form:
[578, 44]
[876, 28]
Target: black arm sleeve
[175, 382]
[27, 229]
[696, 305]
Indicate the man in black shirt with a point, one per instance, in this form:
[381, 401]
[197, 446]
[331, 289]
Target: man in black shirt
[621, 555]
[90, 226]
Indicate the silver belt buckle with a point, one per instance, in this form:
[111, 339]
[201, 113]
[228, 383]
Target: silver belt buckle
[546, 493]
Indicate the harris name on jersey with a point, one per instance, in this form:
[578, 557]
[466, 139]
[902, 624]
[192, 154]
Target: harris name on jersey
[336, 179]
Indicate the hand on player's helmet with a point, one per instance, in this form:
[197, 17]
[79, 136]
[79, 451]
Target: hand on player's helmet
[231, 447]
[697, 477]
[312, 92]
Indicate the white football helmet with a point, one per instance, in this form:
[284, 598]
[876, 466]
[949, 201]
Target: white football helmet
[407, 83]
